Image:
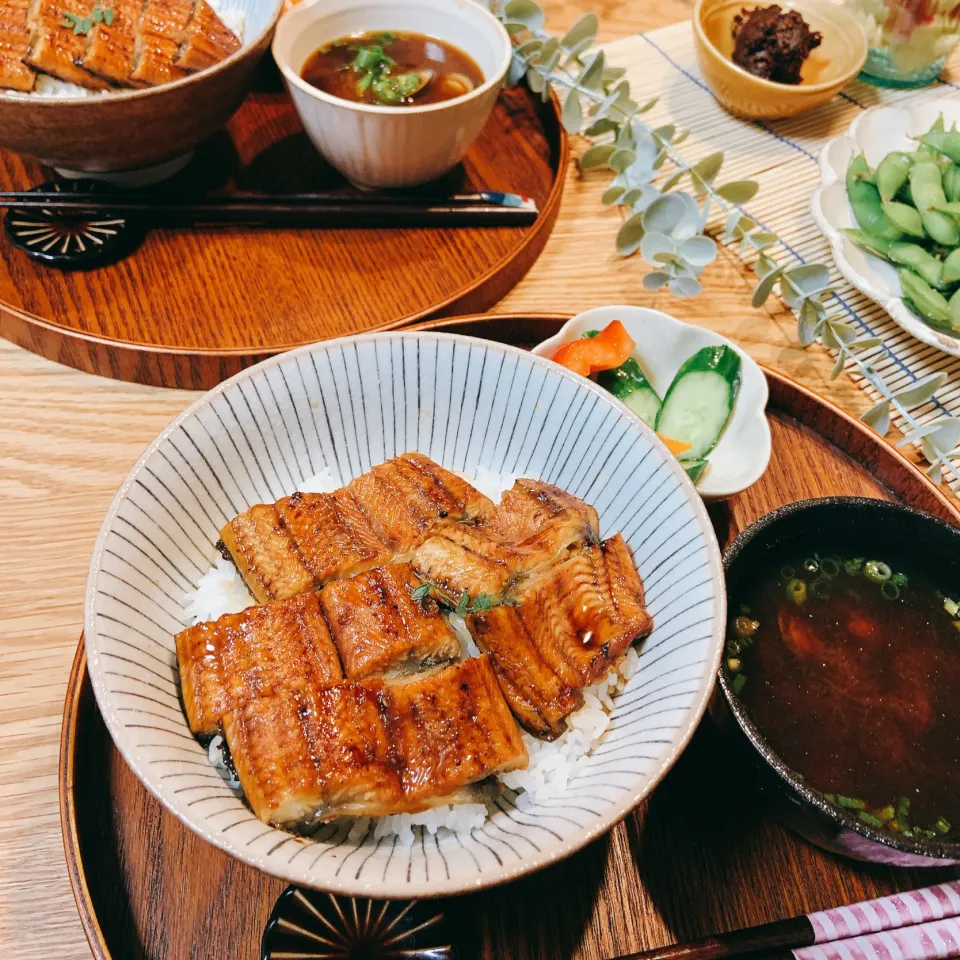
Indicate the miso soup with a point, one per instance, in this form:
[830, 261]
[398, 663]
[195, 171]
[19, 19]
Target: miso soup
[850, 668]
[392, 69]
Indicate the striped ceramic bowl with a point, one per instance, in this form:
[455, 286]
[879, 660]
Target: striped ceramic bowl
[346, 405]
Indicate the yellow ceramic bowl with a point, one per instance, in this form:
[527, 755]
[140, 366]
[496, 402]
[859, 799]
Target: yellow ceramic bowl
[836, 61]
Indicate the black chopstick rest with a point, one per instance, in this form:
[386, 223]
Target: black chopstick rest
[67, 239]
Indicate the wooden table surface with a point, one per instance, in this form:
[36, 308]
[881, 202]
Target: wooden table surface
[68, 438]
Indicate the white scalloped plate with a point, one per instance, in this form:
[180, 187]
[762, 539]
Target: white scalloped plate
[663, 344]
[345, 405]
[875, 133]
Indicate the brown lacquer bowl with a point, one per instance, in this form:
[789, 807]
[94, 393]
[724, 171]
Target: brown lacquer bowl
[137, 129]
[876, 525]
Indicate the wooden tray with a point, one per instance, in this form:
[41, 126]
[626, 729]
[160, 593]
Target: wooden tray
[190, 308]
[700, 856]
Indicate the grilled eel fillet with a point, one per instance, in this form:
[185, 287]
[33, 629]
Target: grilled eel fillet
[278, 649]
[367, 748]
[146, 43]
[572, 623]
[535, 525]
[14, 43]
[305, 541]
[56, 49]
[380, 629]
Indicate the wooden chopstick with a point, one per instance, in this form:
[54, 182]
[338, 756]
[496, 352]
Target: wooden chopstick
[296, 210]
[922, 912]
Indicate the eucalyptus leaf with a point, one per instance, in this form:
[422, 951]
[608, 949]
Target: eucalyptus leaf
[808, 324]
[920, 392]
[621, 159]
[673, 179]
[648, 106]
[599, 127]
[915, 436]
[611, 74]
[591, 77]
[585, 29]
[739, 191]
[515, 28]
[684, 287]
[611, 195]
[764, 265]
[864, 343]
[574, 52]
[528, 48]
[878, 417]
[534, 80]
[699, 251]
[655, 244]
[664, 213]
[829, 337]
[630, 235]
[838, 366]
[524, 11]
[655, 280]
[764, 288]
[516, 71]
[639, 198]
[947, 436]
[572, 113]
[706, 170]
[760, 239]
[665, 133]
[596, 156]
[934, 471]
[809, 278]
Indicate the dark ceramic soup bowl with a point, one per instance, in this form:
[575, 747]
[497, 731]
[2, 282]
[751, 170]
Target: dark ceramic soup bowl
[877, 528]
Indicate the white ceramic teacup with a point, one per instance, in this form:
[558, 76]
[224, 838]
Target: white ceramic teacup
[382, 146]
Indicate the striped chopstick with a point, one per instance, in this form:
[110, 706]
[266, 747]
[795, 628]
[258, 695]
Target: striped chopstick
[918, 925]
[487, 208]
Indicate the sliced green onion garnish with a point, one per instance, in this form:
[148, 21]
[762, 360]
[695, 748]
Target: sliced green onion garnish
[810, 566]
[744, 609]
[876, 571]
[942, 826]
[887, 813]
[787, 572]
[870, 819]
[851, 803]
[739, 682]
[733, 648]
[733, 664]
[797, 591]
[951, 606]
[854, 566]
[890, 590]
[820, 589]
[829, 568]
[745, 627]
[899, 580]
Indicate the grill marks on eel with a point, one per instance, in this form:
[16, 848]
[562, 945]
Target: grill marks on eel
[148, 42]
[307, 540]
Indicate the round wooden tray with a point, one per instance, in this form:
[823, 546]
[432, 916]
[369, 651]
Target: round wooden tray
[700, 856]
[191, 307]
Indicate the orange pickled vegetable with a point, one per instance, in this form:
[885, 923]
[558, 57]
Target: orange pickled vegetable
[606, 351]
[676, 447]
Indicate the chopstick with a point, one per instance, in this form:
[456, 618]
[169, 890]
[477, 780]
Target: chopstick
[917, 925]
[487, 208]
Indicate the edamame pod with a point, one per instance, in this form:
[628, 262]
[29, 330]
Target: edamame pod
[954, 304]
[892, 173]
[951, 267]
[951, 183]
[906, 218]
[878, 246]
[929, 304]
[941, 228]
[921, 261]
[926, 185]
[865, 200]
[946, 142]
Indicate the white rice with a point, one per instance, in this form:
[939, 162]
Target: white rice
[553, 764]
[47, 86]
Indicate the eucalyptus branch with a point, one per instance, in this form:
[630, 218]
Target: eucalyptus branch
[667, 225]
